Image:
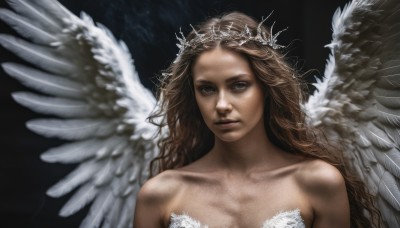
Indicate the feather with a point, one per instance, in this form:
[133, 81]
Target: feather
[54, 10]
[373, 178]
[388, 98]
[390, 160]
[390, 81]
[43, 57]
[361, 140]
[134, 172]
[34, 14]
[113, 215]
[44, 82]
[387, 213]
[104, 176]
[26, 29]
[125, 218]
[390, 191]
[394, 134]
[367, 156]
[79, 151]
[99, 208]
[125, 162]
[120, 185]
[72, 129]
[389, 117]
[379, 138]
[390, 78]
[83, 173]
[118, 151]
[54, 106]
[105, 153]
[81, 198]
[368, 114]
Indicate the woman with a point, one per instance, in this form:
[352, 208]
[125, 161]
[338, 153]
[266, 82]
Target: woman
[238, 153]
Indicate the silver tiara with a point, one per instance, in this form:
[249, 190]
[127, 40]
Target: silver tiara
[242, 37]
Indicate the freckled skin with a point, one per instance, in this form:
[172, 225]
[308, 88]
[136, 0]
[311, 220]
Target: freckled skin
[244, 179]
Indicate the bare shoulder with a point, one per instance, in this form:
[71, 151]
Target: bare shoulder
[319, 177]
[154, 197]
[160, 188]
[325, 189]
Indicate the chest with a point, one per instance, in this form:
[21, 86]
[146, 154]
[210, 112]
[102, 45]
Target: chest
[233, 203]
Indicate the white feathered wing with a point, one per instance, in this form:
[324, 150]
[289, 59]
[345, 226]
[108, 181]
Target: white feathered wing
[90, 83]
[359, 100]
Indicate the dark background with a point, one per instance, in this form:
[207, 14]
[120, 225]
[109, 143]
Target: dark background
[148, 27]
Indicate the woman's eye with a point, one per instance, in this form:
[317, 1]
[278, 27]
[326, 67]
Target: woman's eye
[206, 90]
[239, 86]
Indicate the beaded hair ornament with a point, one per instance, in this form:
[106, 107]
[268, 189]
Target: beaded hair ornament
[216, 34]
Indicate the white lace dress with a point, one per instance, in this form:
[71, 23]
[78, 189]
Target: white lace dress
[286, 219]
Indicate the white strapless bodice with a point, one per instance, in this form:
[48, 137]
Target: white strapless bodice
[286, 219]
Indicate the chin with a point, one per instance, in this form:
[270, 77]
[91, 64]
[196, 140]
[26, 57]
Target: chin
[229, 136]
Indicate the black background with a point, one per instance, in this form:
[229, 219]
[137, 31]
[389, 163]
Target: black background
[148, 27]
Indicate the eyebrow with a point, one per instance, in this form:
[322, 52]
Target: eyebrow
[231, 79]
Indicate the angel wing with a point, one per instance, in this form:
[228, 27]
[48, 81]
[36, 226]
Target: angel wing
[87, 79]
[359, 100]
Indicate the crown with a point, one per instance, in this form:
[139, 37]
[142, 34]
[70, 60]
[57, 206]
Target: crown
[242, 37]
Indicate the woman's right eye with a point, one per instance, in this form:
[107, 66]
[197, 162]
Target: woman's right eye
[206, 89]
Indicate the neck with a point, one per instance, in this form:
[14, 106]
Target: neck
[253, 151]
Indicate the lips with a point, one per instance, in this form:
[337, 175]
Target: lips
[226, 123]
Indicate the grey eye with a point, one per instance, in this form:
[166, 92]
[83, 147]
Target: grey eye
[239, 86]
[206, 89]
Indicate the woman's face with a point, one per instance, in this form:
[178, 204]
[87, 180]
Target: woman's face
[228, 95]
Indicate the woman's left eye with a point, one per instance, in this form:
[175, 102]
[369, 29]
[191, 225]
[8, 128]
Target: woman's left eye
[206, 90]
[239, 86]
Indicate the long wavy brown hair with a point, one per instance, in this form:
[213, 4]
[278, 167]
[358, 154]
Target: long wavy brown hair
[189, 138]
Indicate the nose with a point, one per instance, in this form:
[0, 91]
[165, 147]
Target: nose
[223, 104]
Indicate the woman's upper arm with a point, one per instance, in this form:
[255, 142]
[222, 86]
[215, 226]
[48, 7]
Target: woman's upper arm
[148, 210]
[152, 202]
[328, 196]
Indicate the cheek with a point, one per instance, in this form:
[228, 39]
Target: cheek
[203, 106]
[253, 103]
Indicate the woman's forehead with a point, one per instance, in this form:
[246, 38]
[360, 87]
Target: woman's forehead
[220, 62]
